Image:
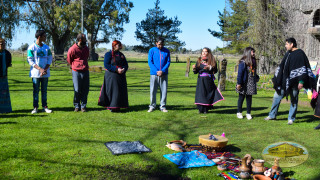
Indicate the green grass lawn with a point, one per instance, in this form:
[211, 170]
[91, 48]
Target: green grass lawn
[69, 145]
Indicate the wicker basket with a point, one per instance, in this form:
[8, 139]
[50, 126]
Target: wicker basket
[211, 144]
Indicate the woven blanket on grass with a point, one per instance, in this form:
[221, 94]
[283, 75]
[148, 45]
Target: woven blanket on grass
[126, 147]
[232, 164]
[189, 159]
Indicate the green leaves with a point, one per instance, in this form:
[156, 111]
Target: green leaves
[157, 24]
[233, 23]
[9, 18]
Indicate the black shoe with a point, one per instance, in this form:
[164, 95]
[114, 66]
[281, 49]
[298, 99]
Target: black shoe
[318, 127]
[115, 110]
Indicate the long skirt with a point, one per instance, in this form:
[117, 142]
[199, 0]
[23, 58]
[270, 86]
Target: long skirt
[5, 103]
[207, 93]
[317, 109]
[114, 93]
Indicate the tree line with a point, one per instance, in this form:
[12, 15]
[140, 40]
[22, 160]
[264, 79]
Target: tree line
[256, 23]
[103, 21]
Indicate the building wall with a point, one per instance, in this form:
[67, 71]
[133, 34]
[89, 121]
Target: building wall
[300, 15]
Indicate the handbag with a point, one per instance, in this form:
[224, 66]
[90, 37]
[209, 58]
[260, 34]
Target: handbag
[257, 77]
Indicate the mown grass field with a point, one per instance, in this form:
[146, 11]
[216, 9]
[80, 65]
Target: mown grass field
[69, 145]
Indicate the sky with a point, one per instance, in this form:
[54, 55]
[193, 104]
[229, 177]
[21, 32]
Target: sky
[196, 17]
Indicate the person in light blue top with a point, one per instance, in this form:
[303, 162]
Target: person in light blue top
[159, 62]
[40, 59]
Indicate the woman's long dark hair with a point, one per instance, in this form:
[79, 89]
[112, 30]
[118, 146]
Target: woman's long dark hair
[247, 58]
[211, 59]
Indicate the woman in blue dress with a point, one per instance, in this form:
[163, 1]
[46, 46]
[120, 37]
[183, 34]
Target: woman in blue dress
[5, 62]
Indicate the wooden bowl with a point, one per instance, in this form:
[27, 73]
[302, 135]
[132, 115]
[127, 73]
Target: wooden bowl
[219, 144]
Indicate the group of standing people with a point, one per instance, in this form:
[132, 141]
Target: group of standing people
[292, 75]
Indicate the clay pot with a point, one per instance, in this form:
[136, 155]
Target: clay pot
[258, 166]
[275, 168]
[244, 175]
[261, 177]
[243, 165]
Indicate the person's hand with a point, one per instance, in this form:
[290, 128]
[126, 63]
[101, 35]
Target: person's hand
[238, 86]
[193, 66]
[300, 86]
[159, 73]
[120, 70]
[41, 71]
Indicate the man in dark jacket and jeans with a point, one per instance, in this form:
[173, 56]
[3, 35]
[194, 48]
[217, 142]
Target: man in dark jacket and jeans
[293, 74]
[78, 60]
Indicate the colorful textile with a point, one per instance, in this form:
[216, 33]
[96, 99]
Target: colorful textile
[232, 162]
[126, 147]
[5, 103]
[189, 159]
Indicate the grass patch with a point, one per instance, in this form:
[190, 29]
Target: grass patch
[68, 145]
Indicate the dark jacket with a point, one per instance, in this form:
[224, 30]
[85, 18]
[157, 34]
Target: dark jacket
[242, 73]
[294, 68]
[112, 64]
[8, 62]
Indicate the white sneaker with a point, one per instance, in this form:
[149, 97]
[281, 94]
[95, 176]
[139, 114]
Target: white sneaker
[290, 122]
[34, 111]
[239, 116]
[150, 109]
[47, 110]
[249, 117]
[164, 110]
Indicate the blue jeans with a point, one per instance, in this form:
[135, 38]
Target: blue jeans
[36, 85]
[294, 95]
[81, 88]
[162, 82]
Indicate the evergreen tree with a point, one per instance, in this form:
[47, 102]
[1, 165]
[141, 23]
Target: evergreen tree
[233, 24]
[155, 25]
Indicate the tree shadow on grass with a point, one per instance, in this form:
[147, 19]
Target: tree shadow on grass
[9, 122]
[23, 115]
[121, 171]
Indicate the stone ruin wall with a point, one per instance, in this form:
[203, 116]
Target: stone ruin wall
[299, 14]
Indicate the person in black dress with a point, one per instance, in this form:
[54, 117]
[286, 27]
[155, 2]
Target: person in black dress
[207, 93]
[114, 93]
